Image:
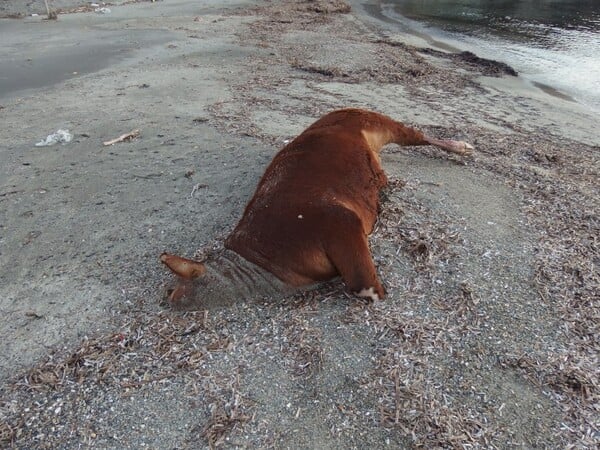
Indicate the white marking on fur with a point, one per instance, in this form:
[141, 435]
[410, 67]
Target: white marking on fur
[368, 293]
[300, 216]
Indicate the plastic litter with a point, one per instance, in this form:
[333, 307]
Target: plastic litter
[102, 10]
[62, 136]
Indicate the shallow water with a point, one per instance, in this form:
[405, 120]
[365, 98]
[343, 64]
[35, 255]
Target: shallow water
[549, 42]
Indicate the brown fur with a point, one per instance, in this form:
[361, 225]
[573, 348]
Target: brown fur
[318, 200]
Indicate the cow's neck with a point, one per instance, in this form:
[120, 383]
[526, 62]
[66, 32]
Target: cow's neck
[232, 278]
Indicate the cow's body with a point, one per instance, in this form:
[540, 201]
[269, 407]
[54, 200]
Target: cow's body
[315, 205]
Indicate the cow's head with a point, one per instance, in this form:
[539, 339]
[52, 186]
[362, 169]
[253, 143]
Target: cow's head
[185, 294]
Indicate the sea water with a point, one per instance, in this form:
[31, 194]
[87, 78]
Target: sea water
[555, 44]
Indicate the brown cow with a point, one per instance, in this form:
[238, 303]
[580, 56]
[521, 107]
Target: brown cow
[310, 216]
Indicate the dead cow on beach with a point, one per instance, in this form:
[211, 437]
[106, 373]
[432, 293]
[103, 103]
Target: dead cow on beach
[309, 218]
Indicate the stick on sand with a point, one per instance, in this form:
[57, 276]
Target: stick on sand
[123, 137]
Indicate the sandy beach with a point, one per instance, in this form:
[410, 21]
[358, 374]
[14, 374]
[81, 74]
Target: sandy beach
[488, 337]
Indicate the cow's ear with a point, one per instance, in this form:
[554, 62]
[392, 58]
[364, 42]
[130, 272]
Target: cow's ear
[182, 267]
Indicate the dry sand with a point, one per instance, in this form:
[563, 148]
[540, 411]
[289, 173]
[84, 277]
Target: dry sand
[488, 338]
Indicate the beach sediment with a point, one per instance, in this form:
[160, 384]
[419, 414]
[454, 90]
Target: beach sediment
[489, 337]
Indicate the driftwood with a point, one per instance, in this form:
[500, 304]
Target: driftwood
[52, 15]
[124, 137]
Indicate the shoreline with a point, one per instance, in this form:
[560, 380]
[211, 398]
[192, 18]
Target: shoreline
[373, 9]
[488, 334]
[548, 96]
[423, 39]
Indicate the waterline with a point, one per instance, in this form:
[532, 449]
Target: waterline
[556, 49]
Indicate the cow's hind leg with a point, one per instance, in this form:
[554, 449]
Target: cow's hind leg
[347, 248]
[405, 135]
[458, 147]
